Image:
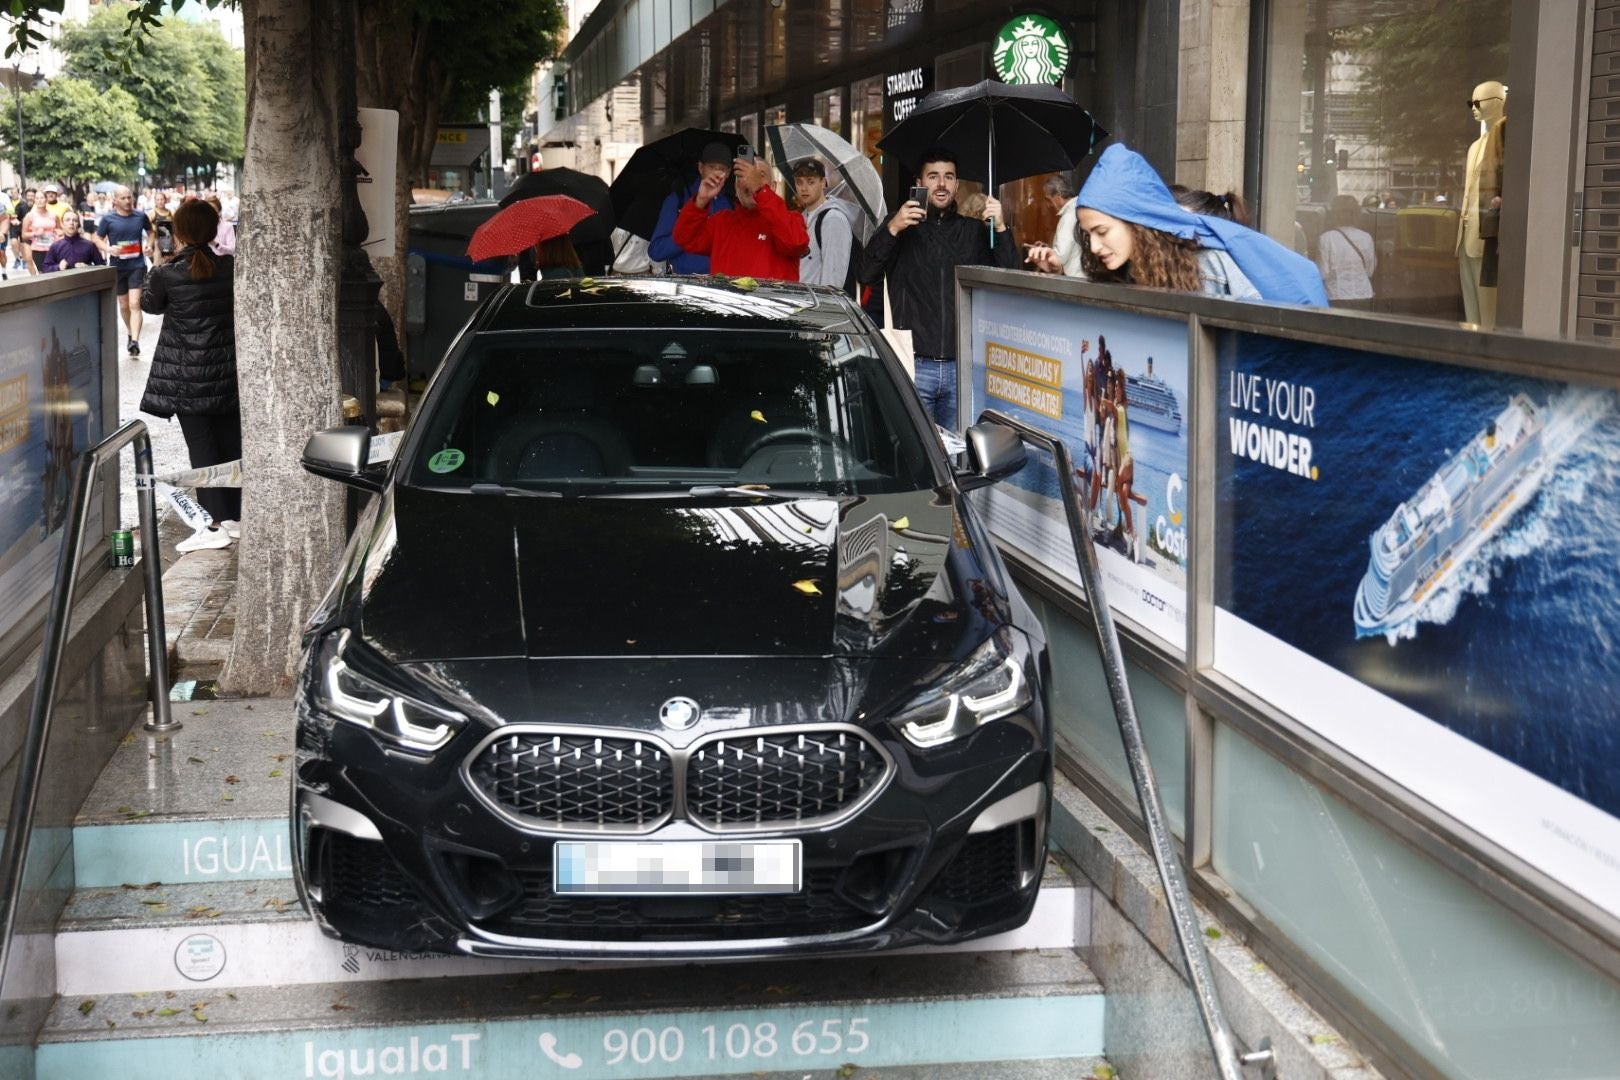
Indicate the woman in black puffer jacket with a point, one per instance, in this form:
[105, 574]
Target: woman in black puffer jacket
[193, 373]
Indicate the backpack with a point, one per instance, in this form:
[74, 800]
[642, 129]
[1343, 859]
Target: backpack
[852, 285]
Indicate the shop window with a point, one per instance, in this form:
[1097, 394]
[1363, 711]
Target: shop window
[866, 118]
[829, 110]
[1384, 147]
[775, 115]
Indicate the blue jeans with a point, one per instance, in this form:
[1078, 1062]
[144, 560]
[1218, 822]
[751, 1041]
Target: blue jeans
[936, 385]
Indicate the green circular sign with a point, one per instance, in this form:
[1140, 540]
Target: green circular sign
[1031, 49]
[446, 461]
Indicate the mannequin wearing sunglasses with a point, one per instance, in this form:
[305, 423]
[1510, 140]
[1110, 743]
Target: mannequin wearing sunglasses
[1482, 189]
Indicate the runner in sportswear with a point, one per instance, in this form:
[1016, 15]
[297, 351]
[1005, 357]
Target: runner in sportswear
[126, 236]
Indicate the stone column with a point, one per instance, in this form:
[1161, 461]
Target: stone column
[1212, 98]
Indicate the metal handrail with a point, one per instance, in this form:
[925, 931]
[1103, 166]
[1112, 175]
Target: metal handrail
[1228, 1058]
[31, 760]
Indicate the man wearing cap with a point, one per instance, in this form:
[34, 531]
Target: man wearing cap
[759, 237]
[832, 237]
[714, 161]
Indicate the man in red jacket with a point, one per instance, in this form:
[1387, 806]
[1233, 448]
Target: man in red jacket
[759, 237]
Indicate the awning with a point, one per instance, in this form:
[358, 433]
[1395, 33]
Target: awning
[459, 145]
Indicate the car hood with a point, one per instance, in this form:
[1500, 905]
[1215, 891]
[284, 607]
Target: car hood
[449, 575]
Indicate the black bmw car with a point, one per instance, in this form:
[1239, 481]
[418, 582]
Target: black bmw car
[668, 631]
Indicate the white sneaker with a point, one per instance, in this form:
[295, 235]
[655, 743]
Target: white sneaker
[232, 528]
[203, 539]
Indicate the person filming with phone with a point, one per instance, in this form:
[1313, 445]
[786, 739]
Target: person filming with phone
[758, 237]
[918, 252]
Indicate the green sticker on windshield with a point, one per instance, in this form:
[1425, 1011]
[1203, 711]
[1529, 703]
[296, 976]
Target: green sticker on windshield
[446, 461]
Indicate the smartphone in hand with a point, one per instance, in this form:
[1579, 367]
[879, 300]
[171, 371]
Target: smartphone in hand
[919, 195]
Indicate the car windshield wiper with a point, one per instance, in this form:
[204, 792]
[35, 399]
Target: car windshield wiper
[756, 491]
[508, 489]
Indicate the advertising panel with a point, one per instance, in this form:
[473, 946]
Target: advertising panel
[1113, 387]
[50, 413]
[1422, 562]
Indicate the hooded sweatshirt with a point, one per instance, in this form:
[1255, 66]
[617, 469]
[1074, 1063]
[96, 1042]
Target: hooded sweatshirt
[765, 242]
[1124, 185]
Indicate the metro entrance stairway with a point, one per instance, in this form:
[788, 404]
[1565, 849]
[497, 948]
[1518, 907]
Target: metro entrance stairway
[184, 923]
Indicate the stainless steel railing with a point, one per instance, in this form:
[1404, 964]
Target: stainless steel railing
[31, 760]
[1223, 1043]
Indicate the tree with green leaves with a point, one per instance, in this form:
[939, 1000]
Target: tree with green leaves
[421, 57]
[186, 78]
[75, 134]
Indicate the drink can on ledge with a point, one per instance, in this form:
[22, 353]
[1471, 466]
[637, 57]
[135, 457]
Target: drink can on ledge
[123, 548]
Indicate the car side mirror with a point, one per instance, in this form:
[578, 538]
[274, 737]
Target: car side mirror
[994, 453]
[340, 454]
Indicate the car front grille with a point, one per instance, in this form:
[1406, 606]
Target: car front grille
[765, 779]
[361, 874]
[790, 777]
[816, 909]
[572, 780]
[986, 868]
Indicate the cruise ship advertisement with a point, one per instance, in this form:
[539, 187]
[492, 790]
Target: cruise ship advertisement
[1426, 558]
[1113, 387]
[50, 404]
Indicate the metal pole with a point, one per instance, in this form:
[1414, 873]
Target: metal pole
[496, 154]
[1229, 1061]
[22, 160]
[157, 645]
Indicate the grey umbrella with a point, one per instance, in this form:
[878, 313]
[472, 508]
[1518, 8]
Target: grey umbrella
[851, 175]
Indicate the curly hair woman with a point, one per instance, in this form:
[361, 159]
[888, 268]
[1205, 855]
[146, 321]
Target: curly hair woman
[1135, 232]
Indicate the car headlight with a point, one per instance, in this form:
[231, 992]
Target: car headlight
[392, 715]
[990, 685]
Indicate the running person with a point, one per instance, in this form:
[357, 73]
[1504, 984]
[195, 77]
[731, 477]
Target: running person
[39, 231]
[125, 235]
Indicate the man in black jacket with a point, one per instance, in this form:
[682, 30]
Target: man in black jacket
[919, 252]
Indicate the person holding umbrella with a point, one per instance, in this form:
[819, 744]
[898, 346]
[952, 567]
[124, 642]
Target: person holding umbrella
[714, 163]
[918, 253]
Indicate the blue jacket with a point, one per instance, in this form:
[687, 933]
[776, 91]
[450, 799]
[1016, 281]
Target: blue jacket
[1124, 185]
[663, 247]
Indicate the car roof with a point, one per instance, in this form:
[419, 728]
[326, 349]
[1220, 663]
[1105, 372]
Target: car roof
[715, 303]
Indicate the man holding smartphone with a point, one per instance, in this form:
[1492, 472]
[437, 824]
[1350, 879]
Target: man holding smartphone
[758, 237]
[919, 252]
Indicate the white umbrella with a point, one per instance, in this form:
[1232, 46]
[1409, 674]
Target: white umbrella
[852, 176]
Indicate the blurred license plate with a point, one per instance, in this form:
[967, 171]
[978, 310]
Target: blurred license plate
[676, 867]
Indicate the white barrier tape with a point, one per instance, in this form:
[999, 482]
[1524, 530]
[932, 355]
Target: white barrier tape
[226, 474]
[383, 447]
[184, 505]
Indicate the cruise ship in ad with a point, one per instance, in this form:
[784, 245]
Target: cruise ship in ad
[1433, 534]
[1151, 402]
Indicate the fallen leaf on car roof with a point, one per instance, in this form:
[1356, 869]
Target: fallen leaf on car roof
[756, 416]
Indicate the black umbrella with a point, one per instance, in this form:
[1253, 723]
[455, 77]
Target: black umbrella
[593, 237]
[656, 170]
[1001, 132]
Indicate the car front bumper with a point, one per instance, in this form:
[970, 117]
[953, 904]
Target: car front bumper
[405, 855]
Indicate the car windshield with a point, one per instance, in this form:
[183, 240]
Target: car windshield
[642, 411]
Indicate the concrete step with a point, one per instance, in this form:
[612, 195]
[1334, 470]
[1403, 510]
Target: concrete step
[206, 803]
[255, 933]
[1021, 1014]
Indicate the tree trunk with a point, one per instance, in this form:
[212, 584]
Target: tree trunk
[287, 272]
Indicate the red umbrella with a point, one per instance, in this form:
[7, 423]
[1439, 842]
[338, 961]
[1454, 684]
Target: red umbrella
[524, 224]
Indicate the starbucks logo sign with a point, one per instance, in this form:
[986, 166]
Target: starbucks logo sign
[1030, 50]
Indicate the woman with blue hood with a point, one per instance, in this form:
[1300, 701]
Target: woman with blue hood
[1138, 233]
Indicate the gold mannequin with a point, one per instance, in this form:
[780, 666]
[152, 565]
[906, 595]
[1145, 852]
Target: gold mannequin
[1489, 104]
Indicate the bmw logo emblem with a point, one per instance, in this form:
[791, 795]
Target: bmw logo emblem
[678, 713]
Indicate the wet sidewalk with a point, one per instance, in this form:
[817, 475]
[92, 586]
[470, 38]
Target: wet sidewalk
[199, 610]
